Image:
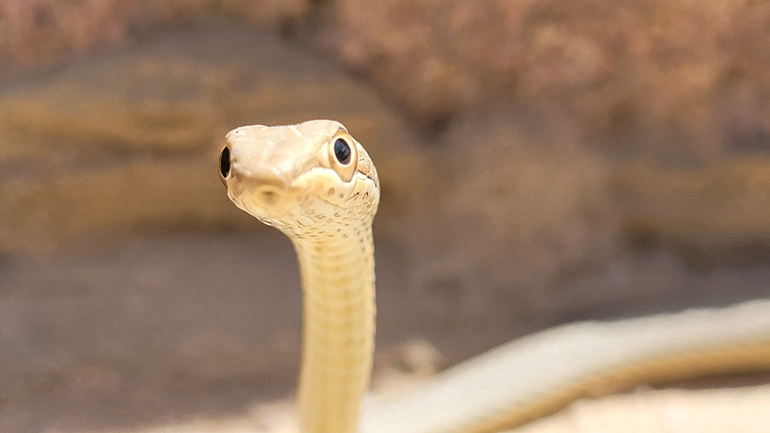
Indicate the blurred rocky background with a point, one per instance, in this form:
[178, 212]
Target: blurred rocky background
[542, 162]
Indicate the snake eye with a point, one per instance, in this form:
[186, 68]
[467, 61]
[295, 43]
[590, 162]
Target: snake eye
[343, 156]
[342, 151]
[224, 163]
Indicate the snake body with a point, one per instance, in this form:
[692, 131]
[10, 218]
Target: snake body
[318, 185]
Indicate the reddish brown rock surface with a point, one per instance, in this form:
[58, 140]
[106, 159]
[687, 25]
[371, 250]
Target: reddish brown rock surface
[662, 69]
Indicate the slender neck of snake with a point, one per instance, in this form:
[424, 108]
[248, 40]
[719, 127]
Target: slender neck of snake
[338, 331]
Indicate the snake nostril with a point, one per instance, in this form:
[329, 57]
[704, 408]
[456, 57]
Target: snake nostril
[269, 196]
[224, 162]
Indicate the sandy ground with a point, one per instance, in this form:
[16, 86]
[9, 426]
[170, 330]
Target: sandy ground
[723, 410]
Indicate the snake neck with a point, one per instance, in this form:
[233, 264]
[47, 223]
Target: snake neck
[338, 330]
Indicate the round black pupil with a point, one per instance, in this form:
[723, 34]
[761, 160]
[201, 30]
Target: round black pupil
[342, 151]
[224, 162]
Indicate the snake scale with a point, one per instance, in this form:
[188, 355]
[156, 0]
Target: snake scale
[318, 185]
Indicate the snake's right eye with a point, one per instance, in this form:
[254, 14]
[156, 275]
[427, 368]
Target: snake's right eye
[224, 163]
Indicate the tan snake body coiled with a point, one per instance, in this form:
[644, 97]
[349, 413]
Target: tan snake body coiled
[302, 180]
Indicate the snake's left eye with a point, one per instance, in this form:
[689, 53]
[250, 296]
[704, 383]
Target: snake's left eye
[342, 151]
[343, 157]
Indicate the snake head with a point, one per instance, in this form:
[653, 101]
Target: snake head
[301, 179]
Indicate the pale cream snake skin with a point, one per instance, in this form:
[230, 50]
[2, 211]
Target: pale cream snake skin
[318, 185]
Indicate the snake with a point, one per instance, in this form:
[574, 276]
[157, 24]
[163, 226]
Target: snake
[318, 185]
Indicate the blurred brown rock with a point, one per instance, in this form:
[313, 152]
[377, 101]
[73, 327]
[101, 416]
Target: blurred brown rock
[32, 31]
[657, 71]
[621, 69]
[127, 141]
